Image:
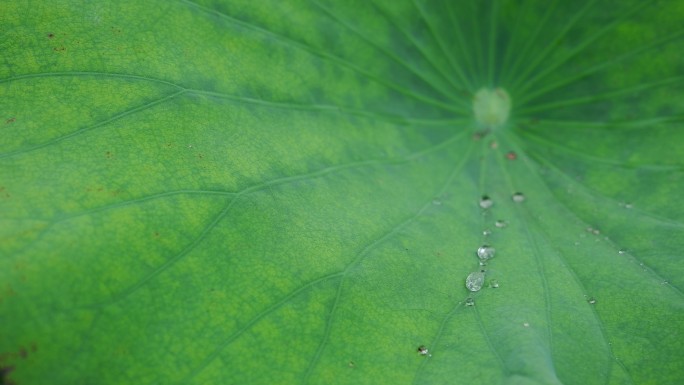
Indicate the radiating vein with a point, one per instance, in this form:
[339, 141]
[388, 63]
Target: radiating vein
[222, 214]
[323, 55]
[604, 333]
[364, 253]
[250, 323]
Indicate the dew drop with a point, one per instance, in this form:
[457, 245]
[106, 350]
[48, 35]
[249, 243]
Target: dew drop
[486, 232]
[526, 324]
[500, 224]
[591, 300]
[494, 283]
[422, 350]
[469, 302]
[436, 202]
[486, 202]
[475, 280]
[518, 197]
[622, 251]
[629, 205]
[485, 252]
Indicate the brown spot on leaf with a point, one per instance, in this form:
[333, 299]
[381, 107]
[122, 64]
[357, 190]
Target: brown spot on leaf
[511, 155]
[5, 371]
[11, 120]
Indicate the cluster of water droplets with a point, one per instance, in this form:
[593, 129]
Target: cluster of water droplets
[475, 281]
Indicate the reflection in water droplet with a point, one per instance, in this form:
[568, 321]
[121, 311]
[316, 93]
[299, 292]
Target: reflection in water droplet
[486, 202]
[469, 302]
[518, 197]
[592, 300]
[493, 283]
[485, 252]
[500, 223]
[475, 280]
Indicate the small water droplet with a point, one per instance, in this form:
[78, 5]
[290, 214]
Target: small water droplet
[518, 197]
[596, 232]
[436, 202]
[485, 252]
[486, 232]
[486, 202]
[622, 251]
[592, 300]
[629, 205]
[526, 324]
[494, 283]
[475, 280]
[500, 223]
[664, 283]
[469, 302]
[422, 350]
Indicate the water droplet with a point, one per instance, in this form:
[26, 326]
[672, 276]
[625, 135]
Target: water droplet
[486, 232]
[469, 302]
[518, 197]
[596, 232]
[485, 252]
[629, 205]
[436, 202]
[500, 224]
[493, 283]
[622, 251]
[422, 350]
[351, 364]
[475, 280]
[526, 324]
[591, 300]
[486, 202]
[511, 155]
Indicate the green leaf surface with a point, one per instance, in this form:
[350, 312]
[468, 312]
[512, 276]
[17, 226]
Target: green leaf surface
[288, 192]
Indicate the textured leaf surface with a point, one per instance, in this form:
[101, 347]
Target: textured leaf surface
[285, 192]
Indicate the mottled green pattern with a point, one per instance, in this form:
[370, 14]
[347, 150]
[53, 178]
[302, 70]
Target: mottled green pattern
[286, 192]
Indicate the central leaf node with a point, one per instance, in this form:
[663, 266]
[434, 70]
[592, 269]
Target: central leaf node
[491, 107]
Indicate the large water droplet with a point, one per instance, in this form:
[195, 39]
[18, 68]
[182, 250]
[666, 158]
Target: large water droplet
[485, 252]
[486, 202]
[475, 280]
[518, 197]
